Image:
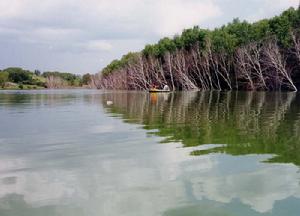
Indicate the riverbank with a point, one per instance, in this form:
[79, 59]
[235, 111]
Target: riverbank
[34, 87]
[15, 86]
[15, 78]
[264, 55]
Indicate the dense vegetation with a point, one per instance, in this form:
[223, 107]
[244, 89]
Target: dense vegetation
[18, 78]
[264, 55]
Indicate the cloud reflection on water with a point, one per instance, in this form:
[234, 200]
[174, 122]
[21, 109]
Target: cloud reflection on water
[131, 173]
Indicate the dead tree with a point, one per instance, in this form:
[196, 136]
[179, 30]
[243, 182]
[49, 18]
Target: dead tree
[169, 66]
[181, 68]
[54, 82]
[296, 42]
[243, 68]
[274, 60]
[248, 60]
[196, 64]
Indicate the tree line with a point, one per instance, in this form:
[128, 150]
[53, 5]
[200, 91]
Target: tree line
[263, 55]
[18, 78]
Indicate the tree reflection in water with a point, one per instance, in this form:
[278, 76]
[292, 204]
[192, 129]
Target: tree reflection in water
[242, 122]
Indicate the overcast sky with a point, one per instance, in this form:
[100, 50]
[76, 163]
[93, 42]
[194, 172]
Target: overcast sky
[81, 36]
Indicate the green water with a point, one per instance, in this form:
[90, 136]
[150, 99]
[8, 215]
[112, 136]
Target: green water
[71, 153]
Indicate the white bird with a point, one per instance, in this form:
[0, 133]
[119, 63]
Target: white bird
[109, 103]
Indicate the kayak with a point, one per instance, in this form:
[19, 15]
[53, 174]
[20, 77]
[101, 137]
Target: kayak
[158, 91]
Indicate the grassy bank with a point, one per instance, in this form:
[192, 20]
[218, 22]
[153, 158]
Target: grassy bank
[22, 87]
[17, 79]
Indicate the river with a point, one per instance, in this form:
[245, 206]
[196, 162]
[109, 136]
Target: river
[89, 152]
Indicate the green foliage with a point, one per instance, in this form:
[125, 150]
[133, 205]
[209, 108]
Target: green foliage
[114, 65]
[3, 78]
[240, 31]
[37, 73]
[129, 58]
[33, 80]
[23, 77]
[261, 135]
[178, 42]
[151, 50]
[71, 79]
[260, 30]
[18, 75]
[188, 39]
[165, 45]
[190, 36]
[117, 64]
[225, 39]
[86, 78]
[282, 25]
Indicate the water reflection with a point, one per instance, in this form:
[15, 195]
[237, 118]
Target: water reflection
[62, 154]
[243, 122]
[237, 123]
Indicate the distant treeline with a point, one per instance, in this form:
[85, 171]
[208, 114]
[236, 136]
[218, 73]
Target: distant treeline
[18, 78]
[264, 55]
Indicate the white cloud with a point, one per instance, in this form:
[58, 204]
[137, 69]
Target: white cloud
[9, 9]
[277, 6]
[156, 17]
[242, 186]
[79, 27]
[53, 34]
[282, 4]
[28, 9]
[175, 15]
[102, 25]
[98, 45]
[9, 31]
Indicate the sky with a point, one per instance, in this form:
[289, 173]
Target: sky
[83, 36]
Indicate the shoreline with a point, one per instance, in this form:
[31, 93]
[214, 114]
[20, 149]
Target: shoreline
[41, 88]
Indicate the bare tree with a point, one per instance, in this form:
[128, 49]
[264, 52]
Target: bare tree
[54, 82]
[243, 68]
[276, 61]
[296, 42]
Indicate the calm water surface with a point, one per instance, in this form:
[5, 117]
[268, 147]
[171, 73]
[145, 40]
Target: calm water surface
[70, 153]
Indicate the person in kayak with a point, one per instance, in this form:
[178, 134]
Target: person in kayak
[154, 87]
[166, 88]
